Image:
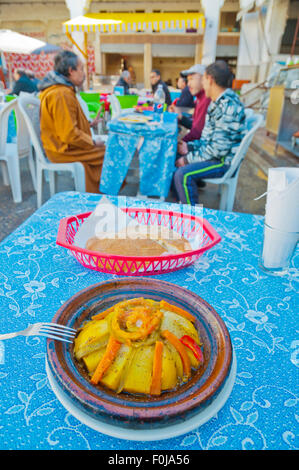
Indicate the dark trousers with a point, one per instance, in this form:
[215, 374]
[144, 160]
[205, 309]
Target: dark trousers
[187, 177]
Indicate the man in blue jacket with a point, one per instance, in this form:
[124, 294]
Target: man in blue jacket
[125, 81]
[155, 79]
[23, 83]
[210, 156]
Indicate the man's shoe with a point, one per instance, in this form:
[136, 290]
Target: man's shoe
[201, 184]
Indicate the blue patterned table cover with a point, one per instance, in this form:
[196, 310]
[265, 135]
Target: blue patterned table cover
[11, 128]
[156, 155]
[260, 311]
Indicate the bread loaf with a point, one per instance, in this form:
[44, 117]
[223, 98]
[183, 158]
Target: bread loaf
[144, 241]
[125, 247]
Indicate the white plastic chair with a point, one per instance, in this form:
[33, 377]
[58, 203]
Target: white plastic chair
[11, 153]
[30, 107]
[85, 110]
[228, 182]
[115, 106]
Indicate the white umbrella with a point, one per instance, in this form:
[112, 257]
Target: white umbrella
[10, 41]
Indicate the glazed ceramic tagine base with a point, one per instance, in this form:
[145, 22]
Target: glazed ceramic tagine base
[121, 414]
[147, 434]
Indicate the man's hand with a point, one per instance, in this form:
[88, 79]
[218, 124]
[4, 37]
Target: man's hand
[182, 147]
[95, 121]
[174, 109]
[180, 162]
[98, 142]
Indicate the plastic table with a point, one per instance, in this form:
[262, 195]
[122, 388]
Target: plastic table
[260, 311]
[157, 146]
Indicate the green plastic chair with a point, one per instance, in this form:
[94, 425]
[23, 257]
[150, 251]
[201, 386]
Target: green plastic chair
[127, 101]
[90, 97]
[93, 102]
[9, 98]
[94, 108]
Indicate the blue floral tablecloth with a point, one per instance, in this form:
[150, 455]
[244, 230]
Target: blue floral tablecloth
[156, 154]
[260, 311]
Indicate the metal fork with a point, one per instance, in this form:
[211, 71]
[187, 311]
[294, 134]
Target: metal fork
[50, 330]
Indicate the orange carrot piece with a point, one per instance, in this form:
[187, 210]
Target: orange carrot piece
[157, 369]
[101, 315]
[178, 310]
[104, 364]
[180, 349]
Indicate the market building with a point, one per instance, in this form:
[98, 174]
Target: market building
[227, 31]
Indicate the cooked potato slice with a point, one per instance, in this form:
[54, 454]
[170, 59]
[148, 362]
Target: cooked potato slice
[178, 325]
[169, 371]
[113, 375]
[93, 336]
[177, 360]
[193, 360]
[91, 360]
[139, 375]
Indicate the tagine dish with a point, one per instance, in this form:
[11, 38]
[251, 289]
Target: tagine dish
[148, 354]
[139, 346]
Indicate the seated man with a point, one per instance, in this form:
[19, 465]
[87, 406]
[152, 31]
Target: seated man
[210, 156]
[23, 83]
[197, 121]
[65, 130]
[155, 78]
[125, 81]
[186, 99]
[32, 77]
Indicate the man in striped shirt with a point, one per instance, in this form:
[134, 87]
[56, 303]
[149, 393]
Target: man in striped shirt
[210, 156]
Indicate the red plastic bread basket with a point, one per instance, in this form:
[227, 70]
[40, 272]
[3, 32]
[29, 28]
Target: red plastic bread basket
[184, 224]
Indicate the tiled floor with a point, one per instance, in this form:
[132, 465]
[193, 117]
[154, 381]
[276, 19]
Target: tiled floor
[252, 183]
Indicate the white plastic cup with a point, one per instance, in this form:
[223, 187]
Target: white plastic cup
[278, 249]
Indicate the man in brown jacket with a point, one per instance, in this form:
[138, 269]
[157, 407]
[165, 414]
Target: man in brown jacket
[65, 131]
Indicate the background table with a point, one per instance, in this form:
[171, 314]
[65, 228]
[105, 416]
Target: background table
[156, 154]
[260, 311]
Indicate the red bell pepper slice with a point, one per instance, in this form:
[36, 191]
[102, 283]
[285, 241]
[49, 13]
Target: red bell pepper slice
[186, 340]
